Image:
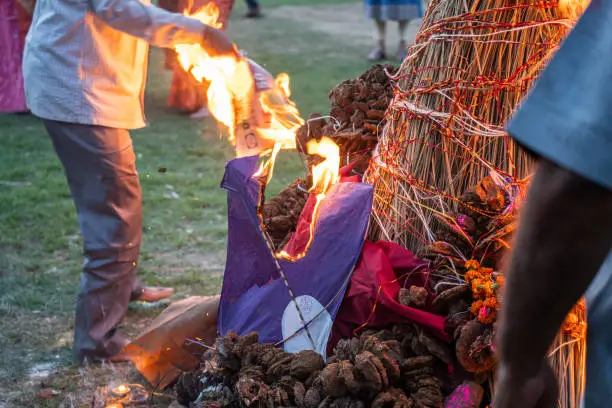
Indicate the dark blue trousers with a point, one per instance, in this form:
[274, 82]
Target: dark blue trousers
[252, 4]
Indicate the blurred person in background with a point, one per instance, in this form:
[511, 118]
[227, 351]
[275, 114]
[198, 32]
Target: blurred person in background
[186, 93]
[562, 247]
[15, 20]
[253, 9]
[382, 11]
[84, 66]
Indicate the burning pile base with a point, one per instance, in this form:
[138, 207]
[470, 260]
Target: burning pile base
[400, 365]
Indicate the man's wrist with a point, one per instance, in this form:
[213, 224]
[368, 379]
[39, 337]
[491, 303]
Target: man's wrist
[205, 34]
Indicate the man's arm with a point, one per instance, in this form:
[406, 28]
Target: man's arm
[565, 234]
[153, 24]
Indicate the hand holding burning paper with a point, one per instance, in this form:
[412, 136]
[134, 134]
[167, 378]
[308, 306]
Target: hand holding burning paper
[243, 96]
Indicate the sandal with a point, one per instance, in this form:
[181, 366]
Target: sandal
[402, 51]
[377, 54]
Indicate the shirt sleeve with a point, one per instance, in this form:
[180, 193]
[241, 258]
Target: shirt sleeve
[153, 24]
[567, 118]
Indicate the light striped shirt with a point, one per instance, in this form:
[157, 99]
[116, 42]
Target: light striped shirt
[85, 61]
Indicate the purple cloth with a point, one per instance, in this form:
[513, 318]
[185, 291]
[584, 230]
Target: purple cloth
[254, 298]
[12, 96]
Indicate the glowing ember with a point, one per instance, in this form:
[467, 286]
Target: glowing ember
[116, 405]
[121, 390]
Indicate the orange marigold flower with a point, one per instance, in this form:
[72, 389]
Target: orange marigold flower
[472, 264]
[571, 319]
[470, 276]
[485, 271]
[499, 282]
[573, 326]
[478, 288]
[488, 288]
[490, 302]
[486, 315]
[476, 307]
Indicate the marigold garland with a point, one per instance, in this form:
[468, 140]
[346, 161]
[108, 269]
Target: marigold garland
[485, 284]
[573, 326]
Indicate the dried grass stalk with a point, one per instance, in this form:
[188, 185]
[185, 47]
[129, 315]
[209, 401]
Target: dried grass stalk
[471, 64]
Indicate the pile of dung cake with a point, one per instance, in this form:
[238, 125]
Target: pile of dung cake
[401, 367]
[281, 213]
[357, 114]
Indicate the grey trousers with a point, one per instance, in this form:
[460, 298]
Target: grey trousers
[100, 167]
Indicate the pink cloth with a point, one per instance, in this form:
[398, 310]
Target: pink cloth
[12, 96]
[371, 300]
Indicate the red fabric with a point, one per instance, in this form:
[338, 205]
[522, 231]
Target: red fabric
[370, 301]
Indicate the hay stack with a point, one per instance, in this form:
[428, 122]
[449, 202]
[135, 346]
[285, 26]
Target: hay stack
[471, 64]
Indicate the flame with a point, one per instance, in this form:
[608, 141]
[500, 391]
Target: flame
[229, 78]
[234, 102]
[324, 175]
[573, 8]
[123, 388]
[232, 89]
[284, 117]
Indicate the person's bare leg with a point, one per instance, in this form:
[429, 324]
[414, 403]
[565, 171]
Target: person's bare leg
[378, 53]
[402, 47]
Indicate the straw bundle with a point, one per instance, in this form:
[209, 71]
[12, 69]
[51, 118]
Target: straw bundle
[568, 357]
[471, 64]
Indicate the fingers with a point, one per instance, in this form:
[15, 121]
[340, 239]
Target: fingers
[217, 43]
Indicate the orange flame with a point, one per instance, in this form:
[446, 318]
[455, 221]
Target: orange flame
[231, 94]
[324, 175]
[233, 101]
[573, 8]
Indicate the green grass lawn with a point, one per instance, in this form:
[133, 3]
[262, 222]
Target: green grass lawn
[184, 232]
